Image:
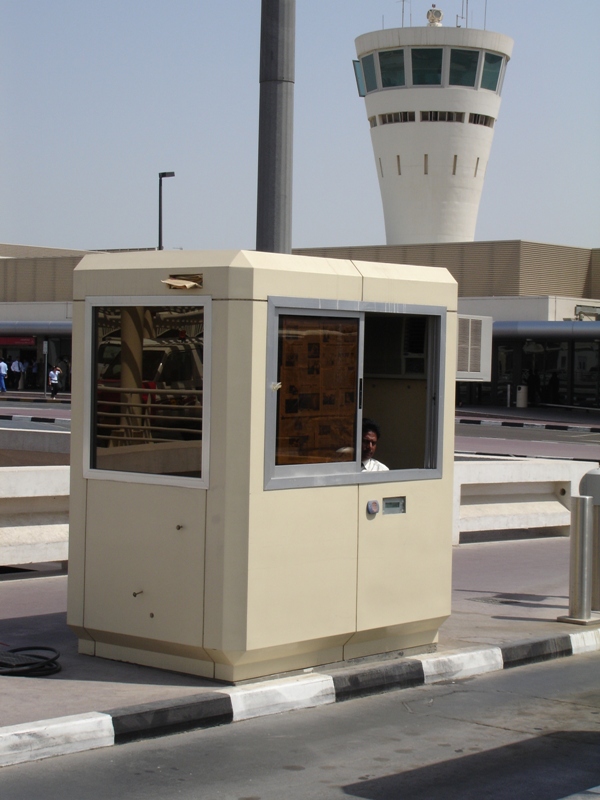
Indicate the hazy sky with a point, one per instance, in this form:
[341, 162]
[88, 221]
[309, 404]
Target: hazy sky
[99, 96]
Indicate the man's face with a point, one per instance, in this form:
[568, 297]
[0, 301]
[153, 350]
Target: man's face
[369, 445]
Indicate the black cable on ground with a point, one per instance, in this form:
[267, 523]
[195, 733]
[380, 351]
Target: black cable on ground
[29, 662]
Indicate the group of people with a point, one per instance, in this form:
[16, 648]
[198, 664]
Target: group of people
[18, 375]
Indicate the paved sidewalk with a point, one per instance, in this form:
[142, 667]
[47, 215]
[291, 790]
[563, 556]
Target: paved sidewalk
[506, 598]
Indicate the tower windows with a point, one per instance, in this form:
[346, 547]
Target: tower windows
[481, 119]
[425, 164]
[491, 71]
[368, 67]
[396, 116]
[391, 66]
[476, 167]
[427, 66]
[442, 116]
[463, 67]
[454, 163]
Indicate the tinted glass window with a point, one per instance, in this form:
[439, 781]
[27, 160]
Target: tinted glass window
[360, 78]
[331, 374]
[491, 71]
[317, 401]
[147, 400]
[368, 65]
[463, 67]
[427, 66]
[391, 65]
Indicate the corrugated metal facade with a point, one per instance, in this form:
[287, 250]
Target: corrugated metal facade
[487, 269]
[595, 273]
[32, 251]
[510, 268]
[37, 280]
[550, 269]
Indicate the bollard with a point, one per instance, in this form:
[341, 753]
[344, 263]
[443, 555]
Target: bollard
[580, 566]
[590, 486]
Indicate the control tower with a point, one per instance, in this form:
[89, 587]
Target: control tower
[432, 96]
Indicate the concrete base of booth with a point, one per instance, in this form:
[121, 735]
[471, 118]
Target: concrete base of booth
[234, 667]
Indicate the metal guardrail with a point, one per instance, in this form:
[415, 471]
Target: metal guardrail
[134, 415]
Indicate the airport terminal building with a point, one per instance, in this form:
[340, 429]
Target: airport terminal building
[544, 300]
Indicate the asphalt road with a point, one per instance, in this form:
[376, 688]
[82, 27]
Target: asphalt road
[57, 414]
[531, 732]
[500, 440]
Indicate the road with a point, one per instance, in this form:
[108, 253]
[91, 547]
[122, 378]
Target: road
[57, 414]
[531, 732]
[527, 441]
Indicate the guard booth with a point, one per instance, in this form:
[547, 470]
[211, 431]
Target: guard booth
[221, 523]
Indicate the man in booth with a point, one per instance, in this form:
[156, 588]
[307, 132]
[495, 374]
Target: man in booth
[370, 436]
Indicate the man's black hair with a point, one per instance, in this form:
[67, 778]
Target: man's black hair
[369, 425]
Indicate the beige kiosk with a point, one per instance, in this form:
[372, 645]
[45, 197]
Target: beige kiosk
[221, 521]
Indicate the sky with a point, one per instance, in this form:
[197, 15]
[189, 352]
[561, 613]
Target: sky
[99, 96]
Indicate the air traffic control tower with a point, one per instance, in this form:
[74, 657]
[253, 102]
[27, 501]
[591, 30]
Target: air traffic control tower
[432, 96]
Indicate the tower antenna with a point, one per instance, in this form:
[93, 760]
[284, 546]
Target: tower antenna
[403, 3]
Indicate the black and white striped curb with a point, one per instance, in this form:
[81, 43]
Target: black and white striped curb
[23, 418]
[73, 734]
[587, 795]
[549, 426]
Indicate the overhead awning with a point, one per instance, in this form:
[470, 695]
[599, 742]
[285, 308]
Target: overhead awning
[559, 331]
[49, 328]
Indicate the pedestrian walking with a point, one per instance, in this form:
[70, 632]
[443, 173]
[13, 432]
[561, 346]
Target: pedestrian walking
[3, 374]
[53, 380]
[16, 369]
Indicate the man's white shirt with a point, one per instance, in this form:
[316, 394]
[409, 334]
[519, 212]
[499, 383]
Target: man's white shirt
[372, 465]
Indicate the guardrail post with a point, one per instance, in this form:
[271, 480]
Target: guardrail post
[590, 486]
[584, 567]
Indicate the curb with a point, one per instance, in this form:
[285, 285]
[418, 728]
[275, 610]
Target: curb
[22, 418]
[549, 426]
[73, 734]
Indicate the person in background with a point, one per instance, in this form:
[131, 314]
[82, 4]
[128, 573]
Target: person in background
[370, 436]
[3, 374]
[15, 369]
[53, 381]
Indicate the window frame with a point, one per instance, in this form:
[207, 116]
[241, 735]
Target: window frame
[93, 473]
[346, 473]
[367, 74]
[502, 59]
[445, 69]
[474, 50]
[383, 53]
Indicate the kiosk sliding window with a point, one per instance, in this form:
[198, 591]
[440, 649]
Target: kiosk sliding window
[148, 390]
[334, 365]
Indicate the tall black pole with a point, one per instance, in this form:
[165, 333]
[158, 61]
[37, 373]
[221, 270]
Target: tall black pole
[161, 175]
[275, 127]
[160, 244]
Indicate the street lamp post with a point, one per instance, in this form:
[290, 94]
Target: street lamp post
[161, 175]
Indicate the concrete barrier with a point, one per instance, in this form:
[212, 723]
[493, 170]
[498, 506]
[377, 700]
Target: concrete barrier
[34, 514]
[33, 440]
[496, 494]
[490, 494]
